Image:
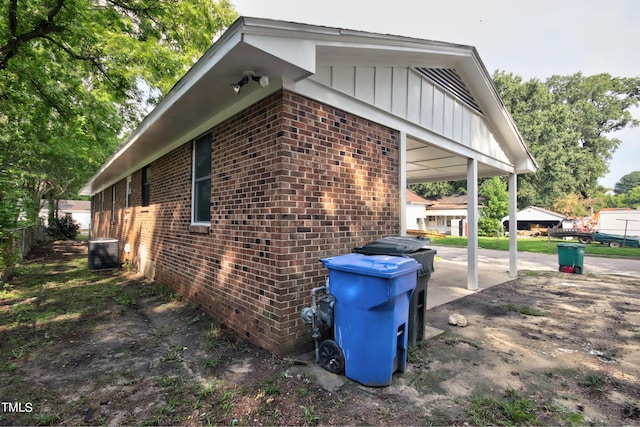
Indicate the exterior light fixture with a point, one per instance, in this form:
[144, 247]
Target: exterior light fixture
[246, 77]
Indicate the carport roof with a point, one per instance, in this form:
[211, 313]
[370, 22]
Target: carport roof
[288, 53]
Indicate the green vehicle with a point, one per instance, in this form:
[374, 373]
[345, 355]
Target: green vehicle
[615, 240]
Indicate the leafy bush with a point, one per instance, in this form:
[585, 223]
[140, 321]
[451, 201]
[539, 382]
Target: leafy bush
[61, 228]
[496, 206]
[490, 227]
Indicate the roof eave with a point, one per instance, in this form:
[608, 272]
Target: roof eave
[484, 90]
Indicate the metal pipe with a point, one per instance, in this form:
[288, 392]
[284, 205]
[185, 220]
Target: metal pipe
[314, 320]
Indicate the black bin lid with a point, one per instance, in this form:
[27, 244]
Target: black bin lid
[394, 245]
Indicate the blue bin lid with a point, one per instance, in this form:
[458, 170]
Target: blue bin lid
[385, 266]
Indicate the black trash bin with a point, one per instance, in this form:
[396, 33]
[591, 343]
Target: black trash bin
[416, 248]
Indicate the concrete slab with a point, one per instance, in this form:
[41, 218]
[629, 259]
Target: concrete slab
[449, 280]
[431, 332]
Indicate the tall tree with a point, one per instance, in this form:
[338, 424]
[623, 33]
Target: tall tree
[567, 121]
[599, 105]
[627, 183]
[431, 190]
[632, 198]
[544, 124]
[76, 74]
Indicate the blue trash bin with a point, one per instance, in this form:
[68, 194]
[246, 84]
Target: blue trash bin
[372, 296]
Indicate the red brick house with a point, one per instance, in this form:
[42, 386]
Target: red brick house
[232, 194]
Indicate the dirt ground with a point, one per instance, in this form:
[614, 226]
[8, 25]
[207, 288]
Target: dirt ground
[546, 349]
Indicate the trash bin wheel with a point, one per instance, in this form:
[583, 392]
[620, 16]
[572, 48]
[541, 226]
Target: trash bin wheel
[331, 357]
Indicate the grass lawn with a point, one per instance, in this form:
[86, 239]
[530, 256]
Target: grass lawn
[539, 244]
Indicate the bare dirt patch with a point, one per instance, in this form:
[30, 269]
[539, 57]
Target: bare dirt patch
[570, 343]
[82, 348]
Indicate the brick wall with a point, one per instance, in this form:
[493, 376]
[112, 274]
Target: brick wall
[292, 181]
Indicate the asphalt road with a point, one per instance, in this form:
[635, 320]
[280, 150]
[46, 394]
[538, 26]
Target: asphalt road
[499, 261]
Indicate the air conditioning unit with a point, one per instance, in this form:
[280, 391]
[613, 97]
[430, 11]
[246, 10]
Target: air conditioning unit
[103, 254]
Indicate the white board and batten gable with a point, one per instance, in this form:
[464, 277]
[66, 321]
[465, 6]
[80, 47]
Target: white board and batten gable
[440, 94]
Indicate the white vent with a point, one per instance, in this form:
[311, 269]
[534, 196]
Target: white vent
[450, 81]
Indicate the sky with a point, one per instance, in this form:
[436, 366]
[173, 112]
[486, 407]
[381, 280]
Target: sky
[529, 38]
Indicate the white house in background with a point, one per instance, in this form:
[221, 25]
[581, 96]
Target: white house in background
[448, 215]
[79, 210]
[416, 216]
[534, 217]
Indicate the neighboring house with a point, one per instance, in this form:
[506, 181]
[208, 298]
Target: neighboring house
[415, 212]
[78, 210]
[286, 143]
[448, 214]
[532, 218]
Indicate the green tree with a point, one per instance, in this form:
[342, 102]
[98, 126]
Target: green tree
[436, 190]
[76, 75]
[631, 199]
[496, 206]
[571, 205]
[599, 105]
[627, 183]
[544, 125]
[566, 122]
[9, 211]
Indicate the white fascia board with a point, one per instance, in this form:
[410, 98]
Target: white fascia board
[298, 51]
[303, 44]
[481, 85]
[323, 35]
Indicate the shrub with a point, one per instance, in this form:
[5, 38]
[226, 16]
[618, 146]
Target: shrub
[63, 228]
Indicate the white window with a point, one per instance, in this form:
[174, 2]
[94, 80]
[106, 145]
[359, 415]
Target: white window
[201, 206]
[146, 185]
[113, 203]
[128, 202]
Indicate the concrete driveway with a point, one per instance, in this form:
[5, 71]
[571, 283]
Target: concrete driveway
[449, 281]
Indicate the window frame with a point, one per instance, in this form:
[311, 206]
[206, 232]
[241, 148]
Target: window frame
[146, 185]
[197, 181]
[128, 193]
[113, 203]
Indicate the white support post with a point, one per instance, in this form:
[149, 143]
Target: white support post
[403, 183]
[472, 222]
[513, 225]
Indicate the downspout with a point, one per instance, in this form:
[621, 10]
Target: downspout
[403, 182]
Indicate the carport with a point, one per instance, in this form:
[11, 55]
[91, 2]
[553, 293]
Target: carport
[453, 124]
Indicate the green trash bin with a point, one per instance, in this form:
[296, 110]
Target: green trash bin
[571, 257]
